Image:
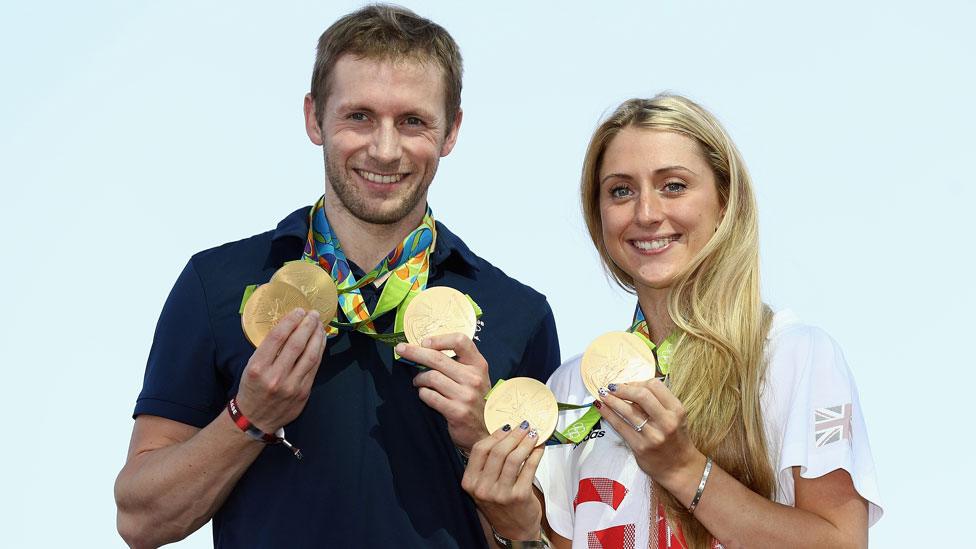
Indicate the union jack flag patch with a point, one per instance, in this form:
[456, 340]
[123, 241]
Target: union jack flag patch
[832, 424]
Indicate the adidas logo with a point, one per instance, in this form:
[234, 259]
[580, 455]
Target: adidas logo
[595, 433]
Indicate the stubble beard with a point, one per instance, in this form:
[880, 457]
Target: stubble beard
[352, 200]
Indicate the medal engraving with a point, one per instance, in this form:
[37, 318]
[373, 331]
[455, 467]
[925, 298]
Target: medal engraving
[267, 306]
[437, 311]
[315, 284]
[616, 357]
[522, 399]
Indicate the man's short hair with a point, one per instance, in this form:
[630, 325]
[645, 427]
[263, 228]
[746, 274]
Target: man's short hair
[381, 31]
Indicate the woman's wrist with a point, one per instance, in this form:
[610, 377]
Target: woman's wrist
[537, 540]
[682, 480]
[520, 532]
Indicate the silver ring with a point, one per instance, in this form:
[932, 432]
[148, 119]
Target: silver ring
[642, 424]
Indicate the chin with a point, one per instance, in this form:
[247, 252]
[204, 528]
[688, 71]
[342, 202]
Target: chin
[654, 283]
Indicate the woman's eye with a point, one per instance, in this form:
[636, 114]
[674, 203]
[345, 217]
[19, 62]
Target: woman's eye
[674, 186]
[619, 192]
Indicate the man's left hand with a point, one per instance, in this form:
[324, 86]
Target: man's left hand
[455, 387]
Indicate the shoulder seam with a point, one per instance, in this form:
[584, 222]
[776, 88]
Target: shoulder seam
[206, 301]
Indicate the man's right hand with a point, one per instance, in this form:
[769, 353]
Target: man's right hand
[177, 476]
[278, 378]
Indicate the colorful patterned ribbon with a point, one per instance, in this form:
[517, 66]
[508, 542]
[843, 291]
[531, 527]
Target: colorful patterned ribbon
[662, 352]
[408, 266]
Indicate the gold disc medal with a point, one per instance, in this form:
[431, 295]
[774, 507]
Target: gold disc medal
[616, 357]
[522, 399]
[315, 283]
[267, 306]
[437, 311]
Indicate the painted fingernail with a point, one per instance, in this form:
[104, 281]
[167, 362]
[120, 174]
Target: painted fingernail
[506, 427]
[612, 387]
[598, 404]
[602, 391]
[524, 425]
[533, 433]
[400, 347]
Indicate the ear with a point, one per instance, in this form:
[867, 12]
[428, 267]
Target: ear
[452, 134]
[312, 121]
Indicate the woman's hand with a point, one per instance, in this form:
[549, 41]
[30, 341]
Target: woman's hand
[653, 425]
[499, 477]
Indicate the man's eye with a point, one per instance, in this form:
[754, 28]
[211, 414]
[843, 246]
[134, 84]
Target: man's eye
[619, 192]
[360, 116]
[414, 121]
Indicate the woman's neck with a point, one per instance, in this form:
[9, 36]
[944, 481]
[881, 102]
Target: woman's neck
[654, 305]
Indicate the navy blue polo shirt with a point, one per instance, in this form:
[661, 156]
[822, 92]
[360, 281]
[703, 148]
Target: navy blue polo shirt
[379, 467]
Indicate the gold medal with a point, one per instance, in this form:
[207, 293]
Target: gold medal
[267, 306]
[315, 283]
[437, 311]
[616, 357]
[522, 399]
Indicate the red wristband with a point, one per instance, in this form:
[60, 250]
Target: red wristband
[245, 425]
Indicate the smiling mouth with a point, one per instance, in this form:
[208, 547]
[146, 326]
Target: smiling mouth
[373, 177]
[654, 245]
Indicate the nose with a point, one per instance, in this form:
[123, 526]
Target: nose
[649, 208]
[385, 147]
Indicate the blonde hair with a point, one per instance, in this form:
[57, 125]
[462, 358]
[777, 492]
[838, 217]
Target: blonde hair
[718, 364]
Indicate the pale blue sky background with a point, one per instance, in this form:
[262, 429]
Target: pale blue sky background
[135, 134]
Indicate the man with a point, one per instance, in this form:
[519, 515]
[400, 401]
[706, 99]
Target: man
[380, 439]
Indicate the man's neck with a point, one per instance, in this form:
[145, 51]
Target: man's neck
[364, 243]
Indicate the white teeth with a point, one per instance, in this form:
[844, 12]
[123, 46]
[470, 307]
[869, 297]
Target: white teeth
[377, 178]
[654, 244]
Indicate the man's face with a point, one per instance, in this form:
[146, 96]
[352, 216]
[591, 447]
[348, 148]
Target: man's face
[383, 133]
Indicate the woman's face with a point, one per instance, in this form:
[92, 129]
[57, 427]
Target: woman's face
[658, 202]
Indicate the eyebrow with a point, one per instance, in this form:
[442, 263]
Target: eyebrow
[672, 168]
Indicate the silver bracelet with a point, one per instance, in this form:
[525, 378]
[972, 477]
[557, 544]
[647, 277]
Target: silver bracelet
[505, 543]
[701, 486]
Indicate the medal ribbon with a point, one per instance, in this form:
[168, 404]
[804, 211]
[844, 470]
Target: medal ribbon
[408, 266]
[663, 351]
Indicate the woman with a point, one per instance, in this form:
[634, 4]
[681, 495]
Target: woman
[755, 438]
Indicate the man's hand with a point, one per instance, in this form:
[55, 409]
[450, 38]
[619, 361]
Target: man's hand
[278, 378]
[455, 387]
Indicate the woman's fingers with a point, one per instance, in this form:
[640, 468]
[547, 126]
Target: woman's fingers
[479, 452]
[527, 474]
[495, 462]
[513, 463]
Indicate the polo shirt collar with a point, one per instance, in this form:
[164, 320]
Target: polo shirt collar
[448, 244]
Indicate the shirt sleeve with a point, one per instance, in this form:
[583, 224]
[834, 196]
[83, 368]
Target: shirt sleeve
[823, 429]
[541, 356]
[181, 382]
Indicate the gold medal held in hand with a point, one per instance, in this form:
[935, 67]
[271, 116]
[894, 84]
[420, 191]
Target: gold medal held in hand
[315, 283]
[616, 357]
[522, 399]
[267, 306]
[438, 311]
